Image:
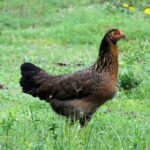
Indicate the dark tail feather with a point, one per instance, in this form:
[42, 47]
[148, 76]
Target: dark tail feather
[34, 81]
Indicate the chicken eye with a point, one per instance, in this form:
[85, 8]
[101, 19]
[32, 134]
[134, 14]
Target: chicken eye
[115, 33]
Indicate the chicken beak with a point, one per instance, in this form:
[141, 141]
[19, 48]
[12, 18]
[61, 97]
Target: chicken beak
[124, 36]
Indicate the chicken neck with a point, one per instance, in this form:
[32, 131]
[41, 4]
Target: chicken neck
[107, 60]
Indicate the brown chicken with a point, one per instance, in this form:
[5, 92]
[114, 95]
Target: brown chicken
[78, 95]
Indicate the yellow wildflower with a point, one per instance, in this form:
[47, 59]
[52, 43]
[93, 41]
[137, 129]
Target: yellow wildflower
[125, 5]
[147, 11]
[131, 8]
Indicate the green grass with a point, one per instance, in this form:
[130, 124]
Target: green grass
[51, 31]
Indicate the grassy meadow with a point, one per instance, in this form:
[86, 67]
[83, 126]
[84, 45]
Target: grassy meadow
[50, 32]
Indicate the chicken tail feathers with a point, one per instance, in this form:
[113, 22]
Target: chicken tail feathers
[34, 81]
